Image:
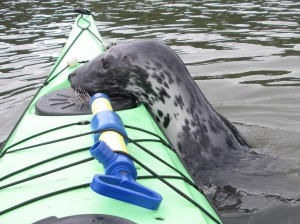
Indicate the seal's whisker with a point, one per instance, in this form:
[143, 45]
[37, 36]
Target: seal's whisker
[76, 93]
[81, 94]
[86, 96]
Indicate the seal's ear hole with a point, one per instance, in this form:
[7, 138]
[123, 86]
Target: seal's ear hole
[125, 57]
[105, 63]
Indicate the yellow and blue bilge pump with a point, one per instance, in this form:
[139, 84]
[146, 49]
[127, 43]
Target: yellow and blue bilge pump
[119, 181]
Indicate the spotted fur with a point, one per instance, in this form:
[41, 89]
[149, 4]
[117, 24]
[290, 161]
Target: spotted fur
[153, 73]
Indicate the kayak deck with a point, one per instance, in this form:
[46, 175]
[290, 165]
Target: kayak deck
[58, 183]
[83, 173]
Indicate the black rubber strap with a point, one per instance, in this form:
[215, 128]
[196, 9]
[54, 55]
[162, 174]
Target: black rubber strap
[182, 194]
[43, 197]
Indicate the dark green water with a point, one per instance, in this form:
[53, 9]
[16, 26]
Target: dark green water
[244, 55]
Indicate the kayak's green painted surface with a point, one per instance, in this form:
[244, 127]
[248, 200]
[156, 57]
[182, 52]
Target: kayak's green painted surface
[174, 208]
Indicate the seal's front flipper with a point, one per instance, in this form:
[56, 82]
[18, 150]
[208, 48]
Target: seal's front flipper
[237, 134]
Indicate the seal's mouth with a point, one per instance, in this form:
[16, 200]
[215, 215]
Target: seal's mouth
[80, 94]
[78, 91]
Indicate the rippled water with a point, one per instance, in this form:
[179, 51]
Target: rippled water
[243, 54]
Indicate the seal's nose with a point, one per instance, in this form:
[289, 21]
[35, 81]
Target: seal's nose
[71, 75]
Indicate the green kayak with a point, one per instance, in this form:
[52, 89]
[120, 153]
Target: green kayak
[46, 167]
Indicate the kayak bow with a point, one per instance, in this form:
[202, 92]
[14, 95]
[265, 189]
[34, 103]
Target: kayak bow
[46, 168]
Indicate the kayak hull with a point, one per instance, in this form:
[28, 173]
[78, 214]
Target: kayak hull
[59, 183]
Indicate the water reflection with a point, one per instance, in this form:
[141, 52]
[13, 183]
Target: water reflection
[243, 54]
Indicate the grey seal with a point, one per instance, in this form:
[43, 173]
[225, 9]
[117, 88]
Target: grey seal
[154, 74]
[214, 152]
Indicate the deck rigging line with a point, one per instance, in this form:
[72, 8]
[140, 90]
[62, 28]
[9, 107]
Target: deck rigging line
[135, 142]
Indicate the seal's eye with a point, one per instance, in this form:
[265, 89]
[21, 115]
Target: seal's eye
[105, 63]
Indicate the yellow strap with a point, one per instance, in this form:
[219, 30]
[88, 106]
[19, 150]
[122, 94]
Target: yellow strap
[113, 139]
[101, 104]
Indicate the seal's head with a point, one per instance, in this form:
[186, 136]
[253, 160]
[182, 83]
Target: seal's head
[122, 69]
[105, 73]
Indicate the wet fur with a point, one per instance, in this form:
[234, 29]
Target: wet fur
[156, 76]
[213, 150]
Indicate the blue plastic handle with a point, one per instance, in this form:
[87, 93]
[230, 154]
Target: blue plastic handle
[119, 181]
[124, 188]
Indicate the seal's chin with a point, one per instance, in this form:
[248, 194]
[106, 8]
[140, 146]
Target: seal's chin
[80, 94]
